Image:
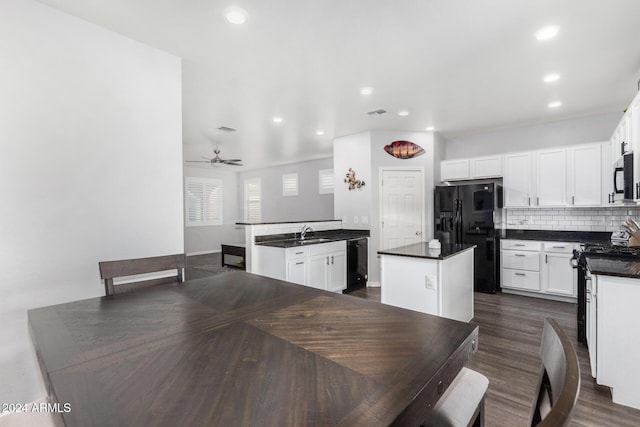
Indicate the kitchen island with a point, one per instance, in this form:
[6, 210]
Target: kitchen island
[432, 281]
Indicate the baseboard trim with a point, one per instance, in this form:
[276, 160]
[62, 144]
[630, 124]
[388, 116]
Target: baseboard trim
[374, 284]
[204, 252]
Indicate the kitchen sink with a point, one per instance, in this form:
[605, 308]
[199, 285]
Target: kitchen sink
[313, 241]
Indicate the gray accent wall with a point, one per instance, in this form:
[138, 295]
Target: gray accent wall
[204, 239]
[308, 205]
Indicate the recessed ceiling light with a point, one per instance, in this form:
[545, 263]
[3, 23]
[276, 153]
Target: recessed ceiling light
[277, 120]
[367, 90]
[550, 78]
[554, 104]
[430, 128]
[235, 15]
[547, 33]
[320, 133]
[403, 113]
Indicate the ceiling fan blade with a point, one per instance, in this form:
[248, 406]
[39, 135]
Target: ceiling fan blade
[197, 161]
[206, 158]
[229, 162]
[232, 160]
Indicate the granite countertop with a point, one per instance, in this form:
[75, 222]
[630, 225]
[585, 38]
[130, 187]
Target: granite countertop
[289, 240]
[286, 222]
[620, 267]
[421, 250]
[556, 235]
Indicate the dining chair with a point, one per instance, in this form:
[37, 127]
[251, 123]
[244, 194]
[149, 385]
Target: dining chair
[462, 404]
[558, 381]
[131, 267]
[556, 393]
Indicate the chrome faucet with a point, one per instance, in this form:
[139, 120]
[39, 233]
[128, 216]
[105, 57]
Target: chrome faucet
[305, 230]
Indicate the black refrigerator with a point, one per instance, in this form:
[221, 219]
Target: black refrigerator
[466, 214]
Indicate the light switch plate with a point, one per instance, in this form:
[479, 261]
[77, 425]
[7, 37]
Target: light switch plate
[364, 219]
[355, 219]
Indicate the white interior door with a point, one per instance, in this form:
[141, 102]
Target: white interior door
[402, 207]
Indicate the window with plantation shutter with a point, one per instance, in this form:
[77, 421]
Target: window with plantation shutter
[203, 201]
[253, 200]
[290, 184]
[325, 182]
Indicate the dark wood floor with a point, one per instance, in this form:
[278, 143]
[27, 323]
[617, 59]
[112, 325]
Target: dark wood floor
[510, 334]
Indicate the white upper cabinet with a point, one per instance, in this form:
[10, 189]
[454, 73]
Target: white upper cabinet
[627, 134]
[585, 174]
[475, 168]
[451, 170]
[486, 167]
[551, 177]
[517, 180]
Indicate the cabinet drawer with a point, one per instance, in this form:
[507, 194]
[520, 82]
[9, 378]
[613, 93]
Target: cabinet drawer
[558, 247]
[521, 260]
[297, 252]
[521, 279]
[520, 245]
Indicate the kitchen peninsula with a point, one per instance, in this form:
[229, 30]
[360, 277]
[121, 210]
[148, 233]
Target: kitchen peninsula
[432, 281]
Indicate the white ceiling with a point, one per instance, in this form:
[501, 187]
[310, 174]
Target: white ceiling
[463, 66]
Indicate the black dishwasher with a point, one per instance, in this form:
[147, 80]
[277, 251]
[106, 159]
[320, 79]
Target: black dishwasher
[357, 264]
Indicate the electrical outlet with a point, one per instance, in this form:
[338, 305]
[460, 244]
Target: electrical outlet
[355, 219]
[430, 282]
[344, 220]
[364, 220]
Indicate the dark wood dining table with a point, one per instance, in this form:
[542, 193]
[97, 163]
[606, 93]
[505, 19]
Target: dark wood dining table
[238, 349]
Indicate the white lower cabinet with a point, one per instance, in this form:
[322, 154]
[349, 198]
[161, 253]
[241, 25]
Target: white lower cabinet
[537, 268]
[615, 338]
[321, 266]
[297, 271]
[328, 271]
[558, 275]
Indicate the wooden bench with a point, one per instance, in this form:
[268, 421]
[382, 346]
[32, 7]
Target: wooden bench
[236, 250]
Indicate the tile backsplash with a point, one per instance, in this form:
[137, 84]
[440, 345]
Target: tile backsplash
[574, 219]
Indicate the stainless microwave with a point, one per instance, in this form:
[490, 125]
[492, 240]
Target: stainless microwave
[623, 177]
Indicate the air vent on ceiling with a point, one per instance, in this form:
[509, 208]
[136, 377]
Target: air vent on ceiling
[227, 129]
[376, 113]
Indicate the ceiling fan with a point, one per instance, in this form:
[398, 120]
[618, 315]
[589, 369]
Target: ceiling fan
[217, 160]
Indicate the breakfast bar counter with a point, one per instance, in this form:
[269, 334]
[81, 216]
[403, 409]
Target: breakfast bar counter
[241, 349]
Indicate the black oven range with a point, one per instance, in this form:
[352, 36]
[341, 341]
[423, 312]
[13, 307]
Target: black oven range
[579, 262]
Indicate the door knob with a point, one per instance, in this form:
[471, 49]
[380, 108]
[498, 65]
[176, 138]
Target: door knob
[418, 233]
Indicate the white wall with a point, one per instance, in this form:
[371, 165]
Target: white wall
[308, 205]
[209, 238]
[524, 138]
[352, 152]
[380, 159]
[90, 167]
[365, 153]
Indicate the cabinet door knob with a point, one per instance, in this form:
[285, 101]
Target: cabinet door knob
[327, 260]
[331, 259]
